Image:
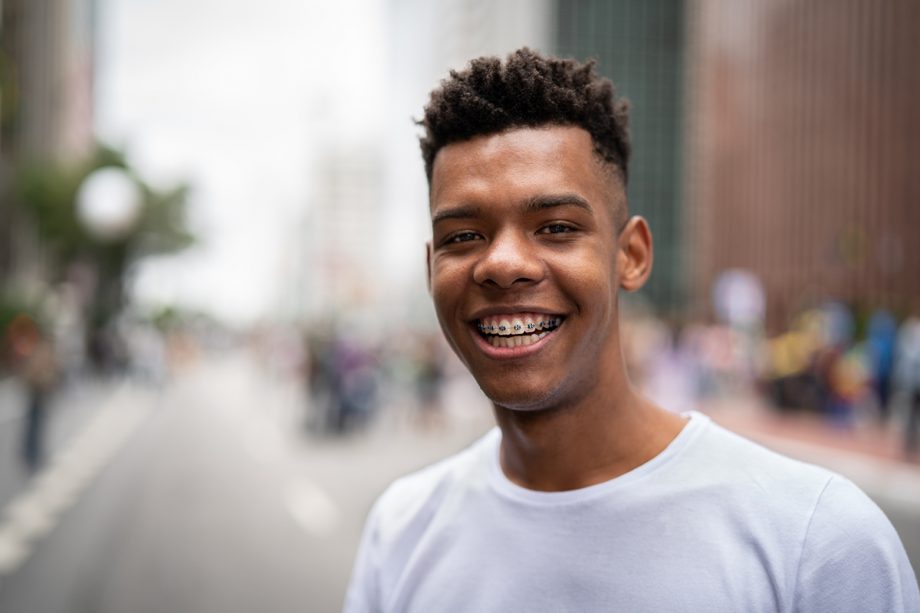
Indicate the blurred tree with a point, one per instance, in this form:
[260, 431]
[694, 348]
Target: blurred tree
[47, 192]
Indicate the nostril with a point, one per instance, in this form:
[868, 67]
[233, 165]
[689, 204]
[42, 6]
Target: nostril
[508, 263]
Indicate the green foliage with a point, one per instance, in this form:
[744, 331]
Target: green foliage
[12, 306]
[47, 193]
[161, 228]
[166, 319]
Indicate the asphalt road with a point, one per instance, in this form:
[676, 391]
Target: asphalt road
[209, 496]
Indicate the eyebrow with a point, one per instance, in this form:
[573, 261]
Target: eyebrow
[534, 204]
[459, 212]
[539, 203]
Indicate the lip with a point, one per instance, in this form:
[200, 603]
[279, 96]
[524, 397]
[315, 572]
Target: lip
[511, 310]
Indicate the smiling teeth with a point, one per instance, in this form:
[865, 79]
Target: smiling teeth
[515, 341]
[519, 327]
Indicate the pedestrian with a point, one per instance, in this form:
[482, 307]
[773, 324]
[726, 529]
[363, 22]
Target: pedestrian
[429, 381]
[36, 366]
[882, 341]
[587, 496]
[908, 380]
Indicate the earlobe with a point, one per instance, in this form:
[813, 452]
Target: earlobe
[635, 254]
[428, 265]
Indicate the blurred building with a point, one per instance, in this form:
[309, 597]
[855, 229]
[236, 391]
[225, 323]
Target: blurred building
[425, 41]
[640, 47]
[802, 147]
[778, 137]
[46, 102]
[343, 230]
[368, 219]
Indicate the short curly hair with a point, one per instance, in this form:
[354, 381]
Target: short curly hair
[527, 90]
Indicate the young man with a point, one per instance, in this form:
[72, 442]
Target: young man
[587, 497]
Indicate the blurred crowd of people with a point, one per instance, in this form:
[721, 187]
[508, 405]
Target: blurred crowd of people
[351, 373]
[830, 361]
[349, 378]
[43, 358]
[849, 369]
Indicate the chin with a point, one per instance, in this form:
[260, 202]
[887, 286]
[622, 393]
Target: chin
[533, 394]
[522, 399]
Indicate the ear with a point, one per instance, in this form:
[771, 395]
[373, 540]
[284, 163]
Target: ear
[428, 265]
[635, 255]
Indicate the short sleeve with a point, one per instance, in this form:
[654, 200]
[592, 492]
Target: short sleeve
[852, 559]
[363, 593]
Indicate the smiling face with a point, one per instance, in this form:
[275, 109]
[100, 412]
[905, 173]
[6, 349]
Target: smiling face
[525, 262]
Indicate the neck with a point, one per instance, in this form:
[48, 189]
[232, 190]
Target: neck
[597, 439]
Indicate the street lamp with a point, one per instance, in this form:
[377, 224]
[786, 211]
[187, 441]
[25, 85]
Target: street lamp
[109, 203]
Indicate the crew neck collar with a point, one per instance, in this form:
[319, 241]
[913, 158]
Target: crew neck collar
[696, 422]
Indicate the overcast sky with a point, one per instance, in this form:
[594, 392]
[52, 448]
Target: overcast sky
[233, 96]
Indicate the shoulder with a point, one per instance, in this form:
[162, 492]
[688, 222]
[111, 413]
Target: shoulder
[852, 557]
[846, 514]
[728, 459]
[769, 497]
[844, 552]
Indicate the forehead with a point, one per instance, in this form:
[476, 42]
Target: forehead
[520, 163]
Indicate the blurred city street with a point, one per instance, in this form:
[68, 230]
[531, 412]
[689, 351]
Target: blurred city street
[210, 495]
[217, 344]
[216, 501]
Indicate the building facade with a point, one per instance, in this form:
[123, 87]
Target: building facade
[46, 104]
[775, 137]
[640, 47]
[802, 141]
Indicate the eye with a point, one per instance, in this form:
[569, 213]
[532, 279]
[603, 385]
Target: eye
[556, 228]
[461, 237]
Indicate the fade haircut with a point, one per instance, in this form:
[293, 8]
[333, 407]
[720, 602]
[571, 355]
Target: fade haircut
[527, 90]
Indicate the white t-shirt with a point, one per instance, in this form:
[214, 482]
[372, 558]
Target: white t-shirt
[713, 523]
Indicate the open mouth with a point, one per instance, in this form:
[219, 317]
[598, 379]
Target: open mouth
[518, 330]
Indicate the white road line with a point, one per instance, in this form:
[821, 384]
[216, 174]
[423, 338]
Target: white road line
[13, 551]
[312, 508]
[36, 511]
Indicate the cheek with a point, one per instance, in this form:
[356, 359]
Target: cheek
[446, 287]
[446, 294]
[590, 278]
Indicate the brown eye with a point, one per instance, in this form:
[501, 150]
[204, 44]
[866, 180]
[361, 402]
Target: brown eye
[556, 228]
[462, 237]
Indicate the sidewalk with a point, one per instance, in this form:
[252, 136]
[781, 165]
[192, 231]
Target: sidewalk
[11, 399]
[70, 409]
[870, 455]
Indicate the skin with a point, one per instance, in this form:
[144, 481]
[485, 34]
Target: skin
[531, 220]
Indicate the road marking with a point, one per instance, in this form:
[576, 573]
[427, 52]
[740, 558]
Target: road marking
[13, 552]
[29, 518]
[36, 511]
[312, 508]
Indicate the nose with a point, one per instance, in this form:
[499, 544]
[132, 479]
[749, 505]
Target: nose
[510, 259]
